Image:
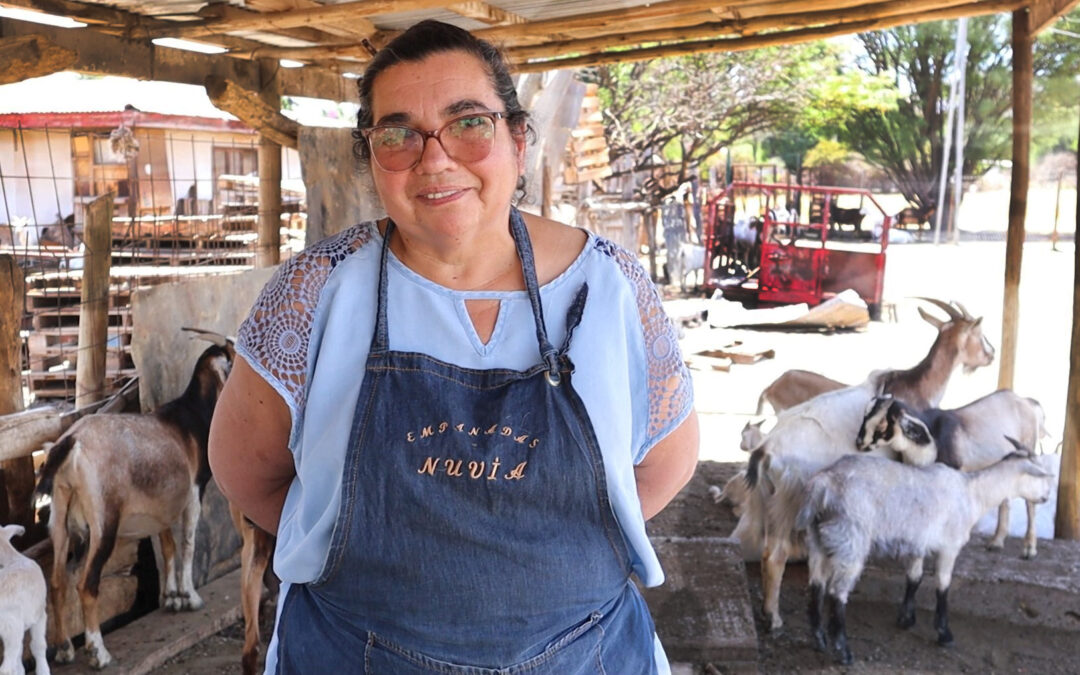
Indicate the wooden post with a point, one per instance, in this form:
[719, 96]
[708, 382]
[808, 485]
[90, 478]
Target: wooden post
[1067, 517]
[16, 475]
[268, 248]
[1014, 248]
[94, 305]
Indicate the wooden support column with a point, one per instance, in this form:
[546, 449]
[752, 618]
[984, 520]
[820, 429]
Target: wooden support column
[1067, 518]
[16, 475]
[1021, 170]
[94, 307]
[545, 190]
[268, 248]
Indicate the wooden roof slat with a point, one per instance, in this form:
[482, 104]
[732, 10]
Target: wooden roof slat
[356, 28]
[626, 36]
[486, 13]
[313, 34]
[606, 19]
[769, 39]
[1045, 12]
[301, 17]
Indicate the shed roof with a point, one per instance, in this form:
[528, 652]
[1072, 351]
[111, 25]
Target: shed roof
[335, 38]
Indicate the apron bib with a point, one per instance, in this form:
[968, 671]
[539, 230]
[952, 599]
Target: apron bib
[475, 534]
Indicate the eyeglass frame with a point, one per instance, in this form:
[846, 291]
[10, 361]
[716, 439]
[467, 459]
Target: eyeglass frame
[493, 115]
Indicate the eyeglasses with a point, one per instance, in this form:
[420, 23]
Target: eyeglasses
[467, 138]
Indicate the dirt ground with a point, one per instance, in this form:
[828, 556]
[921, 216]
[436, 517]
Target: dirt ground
[973, 273]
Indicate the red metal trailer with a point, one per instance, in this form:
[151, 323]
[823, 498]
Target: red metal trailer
[780, 257]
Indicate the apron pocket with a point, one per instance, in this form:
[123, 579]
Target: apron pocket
[576, 653]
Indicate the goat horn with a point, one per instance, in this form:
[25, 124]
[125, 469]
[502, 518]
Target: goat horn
[967, 314]
[953, 313]
[209, 335]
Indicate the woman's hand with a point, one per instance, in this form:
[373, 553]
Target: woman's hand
[668, 467]
[249, 446]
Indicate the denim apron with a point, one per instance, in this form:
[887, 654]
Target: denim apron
[475, 534]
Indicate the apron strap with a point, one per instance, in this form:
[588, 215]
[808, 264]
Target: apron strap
[380, 341]
[528, 269]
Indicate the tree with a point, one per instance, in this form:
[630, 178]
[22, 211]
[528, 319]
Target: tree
[665, 118]
[906, 141]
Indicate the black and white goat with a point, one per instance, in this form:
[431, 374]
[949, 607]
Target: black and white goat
[968, 438]
[864, 505]
[814, 434]
[132, 476]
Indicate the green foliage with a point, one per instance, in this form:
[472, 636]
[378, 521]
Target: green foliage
[665, 118]
[827, 153]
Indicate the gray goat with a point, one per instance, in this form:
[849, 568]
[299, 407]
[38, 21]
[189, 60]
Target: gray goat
[862, 505]
[968, 438]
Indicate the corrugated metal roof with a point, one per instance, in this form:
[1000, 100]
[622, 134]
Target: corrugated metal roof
[71, 93]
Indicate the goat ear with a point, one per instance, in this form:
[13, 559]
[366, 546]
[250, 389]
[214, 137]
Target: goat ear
[914, 430]
[931, 319]
[757, 425]
[10, 531]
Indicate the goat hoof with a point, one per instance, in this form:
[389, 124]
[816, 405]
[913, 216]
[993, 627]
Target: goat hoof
[65, 653]
[191, 602]
[995, 546]
[945, 639]
[173, 603]
[844, 657]
[775, 624]
[98, 658]
[1029, 554]
[820, 644]
[906, 621]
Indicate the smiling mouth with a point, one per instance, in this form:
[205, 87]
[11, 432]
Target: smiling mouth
[439, 195]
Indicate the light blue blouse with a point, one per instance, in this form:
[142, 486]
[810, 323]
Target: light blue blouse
[309, 332]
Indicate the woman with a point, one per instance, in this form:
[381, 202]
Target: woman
[458, 418]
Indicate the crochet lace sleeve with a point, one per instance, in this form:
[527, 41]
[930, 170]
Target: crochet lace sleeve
[671, 393]
[274, 338]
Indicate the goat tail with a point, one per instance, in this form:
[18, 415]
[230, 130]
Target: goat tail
[761, 402]
[754, 469]
[58, 454]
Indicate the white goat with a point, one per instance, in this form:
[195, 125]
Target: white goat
[862, 505]
[968, 438]
[794, 387]
[22, 606]
[131, 476]
[814, 434]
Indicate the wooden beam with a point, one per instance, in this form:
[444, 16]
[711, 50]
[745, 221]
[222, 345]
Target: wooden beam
[741, 26]
[311, 16]
[485, 13]
[767, 40]
[355, 28]
[1067, 517]
[1045, 12]
[252, 110]
[659, 11]
[352, 50]
[110, 55]
[1023, 74]
[32, 56]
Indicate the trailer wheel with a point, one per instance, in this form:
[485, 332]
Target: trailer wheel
[874, 308]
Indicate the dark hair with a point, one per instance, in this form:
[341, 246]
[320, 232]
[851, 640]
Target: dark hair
[433, 37]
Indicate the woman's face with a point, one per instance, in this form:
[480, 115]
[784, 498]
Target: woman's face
[441, 197]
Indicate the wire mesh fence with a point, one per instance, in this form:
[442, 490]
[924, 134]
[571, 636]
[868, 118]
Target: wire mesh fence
[185, 203]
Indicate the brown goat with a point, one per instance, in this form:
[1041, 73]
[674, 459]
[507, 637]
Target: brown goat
[793, 387]
[131, 476]
[258, 544]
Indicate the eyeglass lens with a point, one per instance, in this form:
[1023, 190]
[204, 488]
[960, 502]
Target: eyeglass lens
[464, 139]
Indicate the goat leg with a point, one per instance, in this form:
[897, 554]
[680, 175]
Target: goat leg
[38, 645]
[101, 547]
[998, 542]
[255, 556]
[941, 618]
[838, 629]
[58, 534]
[189, 599]
[773, 561]
[906, 618]
[817, 606]
[1030, 550]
